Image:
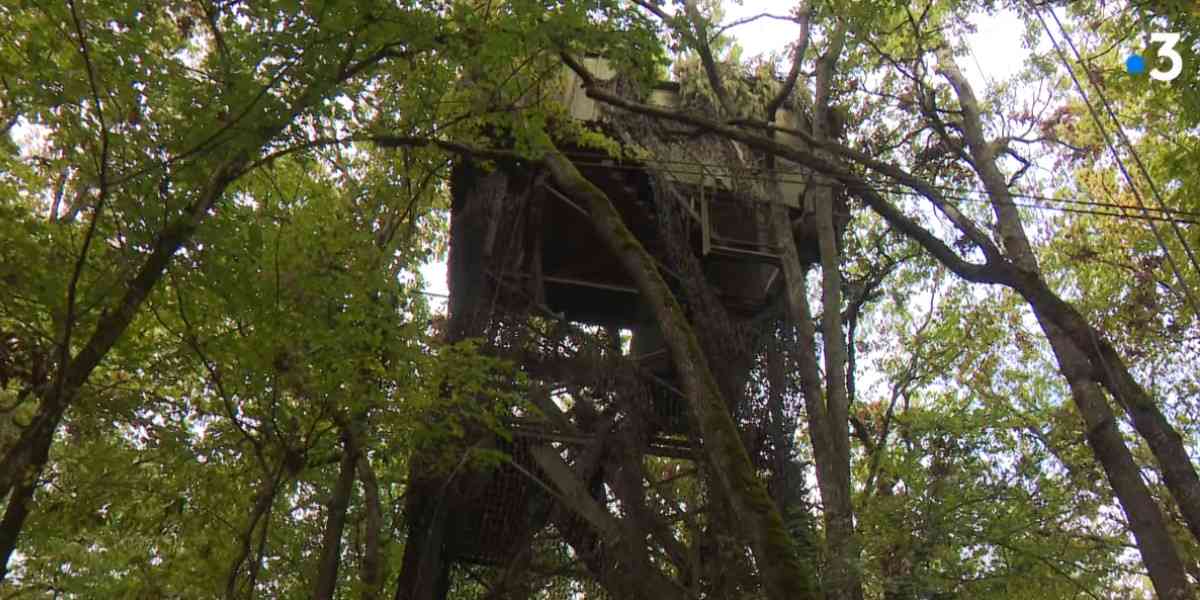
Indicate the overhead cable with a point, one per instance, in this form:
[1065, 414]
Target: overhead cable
[1120, 162]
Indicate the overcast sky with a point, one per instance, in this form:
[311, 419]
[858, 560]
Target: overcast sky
[997, 45]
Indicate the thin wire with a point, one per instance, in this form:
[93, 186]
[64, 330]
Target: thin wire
[1137, 159]
[1121, 163]
[1169, 215]
[1062, 209]
[605, 161]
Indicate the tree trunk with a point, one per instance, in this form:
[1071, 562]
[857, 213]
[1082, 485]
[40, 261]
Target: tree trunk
[782, 573]
[23, 464]
[831, 459]
[781, 437]
[1107, 367]
[475, 204]
[423, 565]
[1142, 513]
[335, 522]
[839, 513]
[1158, 550]
[828, 408]
[372, 560]
[14, 519]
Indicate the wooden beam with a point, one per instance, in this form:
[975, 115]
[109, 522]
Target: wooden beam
[592, 284]
[564, 198]
[745, 255]
[664, 447]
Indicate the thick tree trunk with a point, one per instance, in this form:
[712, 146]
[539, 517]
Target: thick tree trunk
[1142, 513]
[422, 569]
[475, 204]
[1110, 370]
[1145, 519]
[783, 575]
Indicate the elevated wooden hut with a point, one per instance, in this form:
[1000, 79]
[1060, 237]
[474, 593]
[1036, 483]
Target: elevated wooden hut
[524, 252]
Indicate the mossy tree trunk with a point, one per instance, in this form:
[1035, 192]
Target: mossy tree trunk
[783, 575]
[1104, 364]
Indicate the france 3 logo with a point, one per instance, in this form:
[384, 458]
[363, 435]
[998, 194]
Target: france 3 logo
[1165, 44]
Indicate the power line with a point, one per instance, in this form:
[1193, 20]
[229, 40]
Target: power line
[1064, 209]
[1165, 215]
[604, 161]
[1117, 156]
[1137, 159]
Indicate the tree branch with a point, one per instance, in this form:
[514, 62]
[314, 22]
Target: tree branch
[994, 271]
[803, 14]
[335, 519]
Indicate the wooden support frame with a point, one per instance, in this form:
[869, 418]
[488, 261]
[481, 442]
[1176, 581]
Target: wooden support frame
[660, 446]
[591, 284]
[564, 198]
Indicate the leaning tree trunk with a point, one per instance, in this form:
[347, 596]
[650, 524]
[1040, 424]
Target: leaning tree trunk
[23, 464]
[1145, 519]
[335, 519]
[782, 573]
[1113, 374]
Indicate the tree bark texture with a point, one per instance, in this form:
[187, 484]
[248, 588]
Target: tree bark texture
[783, 575]
[1145, 519]
[335, 522]
[372, 561]
[1105, 363]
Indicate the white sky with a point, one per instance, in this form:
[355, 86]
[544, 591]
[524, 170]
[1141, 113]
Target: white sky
[996, 45]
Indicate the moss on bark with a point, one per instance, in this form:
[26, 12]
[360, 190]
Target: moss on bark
[783, 575]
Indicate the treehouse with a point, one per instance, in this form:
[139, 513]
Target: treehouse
[518, 240]
[523, 252]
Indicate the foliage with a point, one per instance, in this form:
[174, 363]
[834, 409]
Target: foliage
[289, 328]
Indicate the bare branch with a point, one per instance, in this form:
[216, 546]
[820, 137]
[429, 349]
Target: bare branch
[762, 15]
[698, 28]
[802, 17]
[68, 326]
[262, 504]
[696, 35]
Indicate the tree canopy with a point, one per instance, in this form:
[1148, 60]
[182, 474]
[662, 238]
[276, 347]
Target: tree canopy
[222, 373]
